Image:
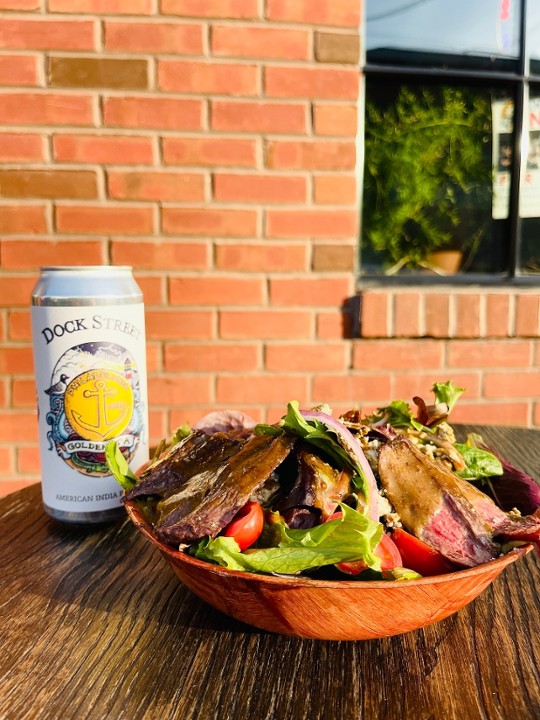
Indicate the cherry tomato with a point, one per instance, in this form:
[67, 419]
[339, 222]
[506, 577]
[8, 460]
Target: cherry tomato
[419, 556]
[247, 525]
[386, 551]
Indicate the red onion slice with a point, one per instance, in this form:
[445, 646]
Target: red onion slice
[353, 447]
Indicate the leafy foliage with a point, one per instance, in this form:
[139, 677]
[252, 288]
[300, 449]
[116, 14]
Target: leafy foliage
[426, 160]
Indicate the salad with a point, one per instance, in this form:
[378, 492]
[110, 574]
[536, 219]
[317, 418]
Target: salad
[391, 495]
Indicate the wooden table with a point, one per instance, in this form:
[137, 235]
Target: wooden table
[95, 625]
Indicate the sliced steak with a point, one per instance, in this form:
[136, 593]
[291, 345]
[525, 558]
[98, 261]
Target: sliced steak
[318, 486]
[184, 461]
[437, 506]
[240, 476]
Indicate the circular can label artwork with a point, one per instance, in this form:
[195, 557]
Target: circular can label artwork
[94, 397]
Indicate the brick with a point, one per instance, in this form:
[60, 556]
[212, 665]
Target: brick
[334, 119]
[46, 109]
[103, 149]
[305, 357]
[251, 188]
[186, 76]
[19, 70]
[180, 389]
[4, 396]
[23, 254]
[46, 34]
[222, 357]
[311, 223]
[112, 73]
[351, 388]
[311, 82]
[527, 322]
[179, 324]
[467, 315]
[258, 117]
[230, 9]
[407, 314]
[437, 314]
[153, 357]
[333, 258]
[264, 324]
[497, 315]
[102, 7]
[153, 288]
[514, 384]
[23, 393]
[310, 155]
[408, 385]
[48, 184]
[209, 152]
[344, 13]
[490, 354]
[260, 42]
[158, 426]
[20, 5]
[21, 147]
[14, 359]
[19, 325]
[261, 388]
[335, 189]
[20, 219]
[375, 313]
[332, 325]
[155, 186]
[28, 460]
[397, 354]
[15, 290]
[309, 291]
[103, 220]
[337, 48]
[261, 257]
[161, 255]
[154, 37]
[492, 413]
[216, 290]
[153, 112]
[210, 221]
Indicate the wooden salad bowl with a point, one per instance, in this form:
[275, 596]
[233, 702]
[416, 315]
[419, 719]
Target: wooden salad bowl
[323, 609]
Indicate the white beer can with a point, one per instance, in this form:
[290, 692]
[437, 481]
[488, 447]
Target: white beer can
[89, 346]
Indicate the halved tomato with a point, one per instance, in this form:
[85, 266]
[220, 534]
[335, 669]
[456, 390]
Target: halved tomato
[246, 525]
[386, 550]
[419, 556]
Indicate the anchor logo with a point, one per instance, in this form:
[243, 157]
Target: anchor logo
[99, 404]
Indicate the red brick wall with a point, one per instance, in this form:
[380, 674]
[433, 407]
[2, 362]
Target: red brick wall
[212, 145]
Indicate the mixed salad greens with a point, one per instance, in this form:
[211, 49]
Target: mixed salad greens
[334, 498]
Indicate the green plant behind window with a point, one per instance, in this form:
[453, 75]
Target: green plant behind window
[427, 173]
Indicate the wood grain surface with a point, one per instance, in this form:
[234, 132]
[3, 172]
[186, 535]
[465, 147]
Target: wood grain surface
[95, 625]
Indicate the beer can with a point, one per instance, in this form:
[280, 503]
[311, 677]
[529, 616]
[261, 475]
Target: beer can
[89, 346]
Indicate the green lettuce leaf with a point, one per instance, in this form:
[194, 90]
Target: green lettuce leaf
[479, 463]
[351, 537]
[398, 414]
[447, 393]
[119, 467]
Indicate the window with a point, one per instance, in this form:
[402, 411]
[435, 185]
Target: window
[452, 140]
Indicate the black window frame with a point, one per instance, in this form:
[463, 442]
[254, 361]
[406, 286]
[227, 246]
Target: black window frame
[519, 78]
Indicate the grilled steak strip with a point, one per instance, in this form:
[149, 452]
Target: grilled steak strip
[183, 462]
[243, 473]
[436, 505]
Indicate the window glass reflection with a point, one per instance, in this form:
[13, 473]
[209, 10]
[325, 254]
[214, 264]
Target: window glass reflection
[436, 176]
[461, 33]
[533, 36]
[529, 197]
